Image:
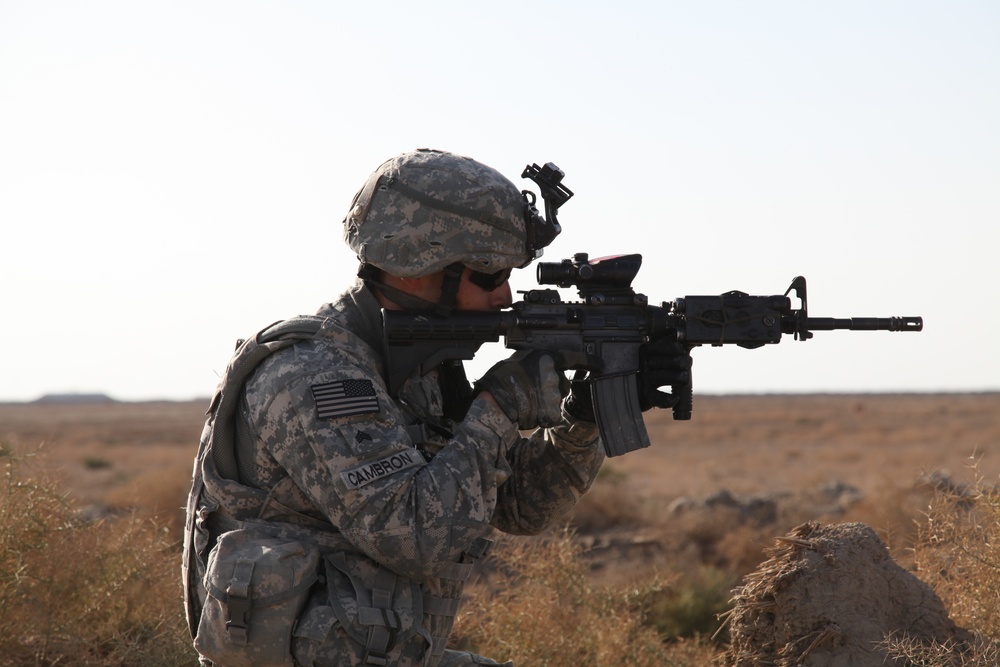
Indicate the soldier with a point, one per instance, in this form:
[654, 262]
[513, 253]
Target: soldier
[332, 523]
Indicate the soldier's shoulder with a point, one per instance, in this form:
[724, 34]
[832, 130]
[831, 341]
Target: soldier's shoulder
[333, 352]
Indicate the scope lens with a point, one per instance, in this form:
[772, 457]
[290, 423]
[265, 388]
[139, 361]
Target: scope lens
[554, 273]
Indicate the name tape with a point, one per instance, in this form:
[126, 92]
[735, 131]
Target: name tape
[355, 478]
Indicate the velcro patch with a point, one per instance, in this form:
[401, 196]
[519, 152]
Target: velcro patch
[344, 398]
[355, 478]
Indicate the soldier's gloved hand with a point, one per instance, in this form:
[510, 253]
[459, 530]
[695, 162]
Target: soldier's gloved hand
[580, 402]
[661, 363]
[528, 387]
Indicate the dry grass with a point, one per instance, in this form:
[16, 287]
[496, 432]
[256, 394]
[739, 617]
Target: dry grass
[955, 552]
[910, 652]
[542, 609]
[90, 529]
[82, 592]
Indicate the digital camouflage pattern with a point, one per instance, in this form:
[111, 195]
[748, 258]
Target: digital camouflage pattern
[397, 513]
[255, 587]
[528, 388]
[426, 209]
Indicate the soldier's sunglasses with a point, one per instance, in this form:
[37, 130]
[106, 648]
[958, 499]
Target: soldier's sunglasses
[490, 281]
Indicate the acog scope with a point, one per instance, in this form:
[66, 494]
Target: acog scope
[616, 271]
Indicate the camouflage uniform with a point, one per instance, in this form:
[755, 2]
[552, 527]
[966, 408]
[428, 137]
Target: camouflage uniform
[403, 498]
[335, 524]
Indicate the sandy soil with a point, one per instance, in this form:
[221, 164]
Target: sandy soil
[750, 444]
[114, 457]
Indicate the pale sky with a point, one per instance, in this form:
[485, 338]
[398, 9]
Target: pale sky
[173, 175]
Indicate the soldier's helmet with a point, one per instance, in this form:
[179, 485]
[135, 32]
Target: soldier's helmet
[422, 211]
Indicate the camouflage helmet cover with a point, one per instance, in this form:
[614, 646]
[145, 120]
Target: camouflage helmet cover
[424, 210]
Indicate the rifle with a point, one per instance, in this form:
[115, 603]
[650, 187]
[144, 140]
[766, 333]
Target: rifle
[602, 333]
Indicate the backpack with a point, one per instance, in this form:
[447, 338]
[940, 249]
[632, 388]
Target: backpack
[215, 487]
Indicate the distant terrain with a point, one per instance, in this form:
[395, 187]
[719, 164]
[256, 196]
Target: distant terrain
[760, 462]
[64, 399]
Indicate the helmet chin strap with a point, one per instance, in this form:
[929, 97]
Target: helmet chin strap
[449, 290]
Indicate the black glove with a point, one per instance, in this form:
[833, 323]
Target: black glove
[528, 387]
[580, 403]
[661, 363]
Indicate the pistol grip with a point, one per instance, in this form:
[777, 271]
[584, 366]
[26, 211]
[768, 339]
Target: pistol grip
[619, 417]
[683, 407]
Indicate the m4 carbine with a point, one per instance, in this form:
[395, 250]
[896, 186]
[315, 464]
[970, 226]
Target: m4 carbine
[603, 332]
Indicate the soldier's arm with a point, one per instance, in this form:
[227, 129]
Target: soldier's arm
[362, 471]
[550, 471]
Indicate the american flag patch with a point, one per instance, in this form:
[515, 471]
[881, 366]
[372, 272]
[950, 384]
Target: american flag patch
[344, 398]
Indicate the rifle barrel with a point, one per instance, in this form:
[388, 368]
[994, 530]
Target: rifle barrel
[864, 323]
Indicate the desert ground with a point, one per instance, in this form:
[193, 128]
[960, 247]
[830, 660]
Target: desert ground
[715, 489]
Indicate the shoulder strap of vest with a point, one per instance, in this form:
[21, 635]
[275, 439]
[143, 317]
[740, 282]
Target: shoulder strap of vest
[249, 354]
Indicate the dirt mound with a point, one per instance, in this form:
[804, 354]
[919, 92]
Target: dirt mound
[828, 597]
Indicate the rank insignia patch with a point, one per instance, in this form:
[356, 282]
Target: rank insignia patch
[344, 398]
